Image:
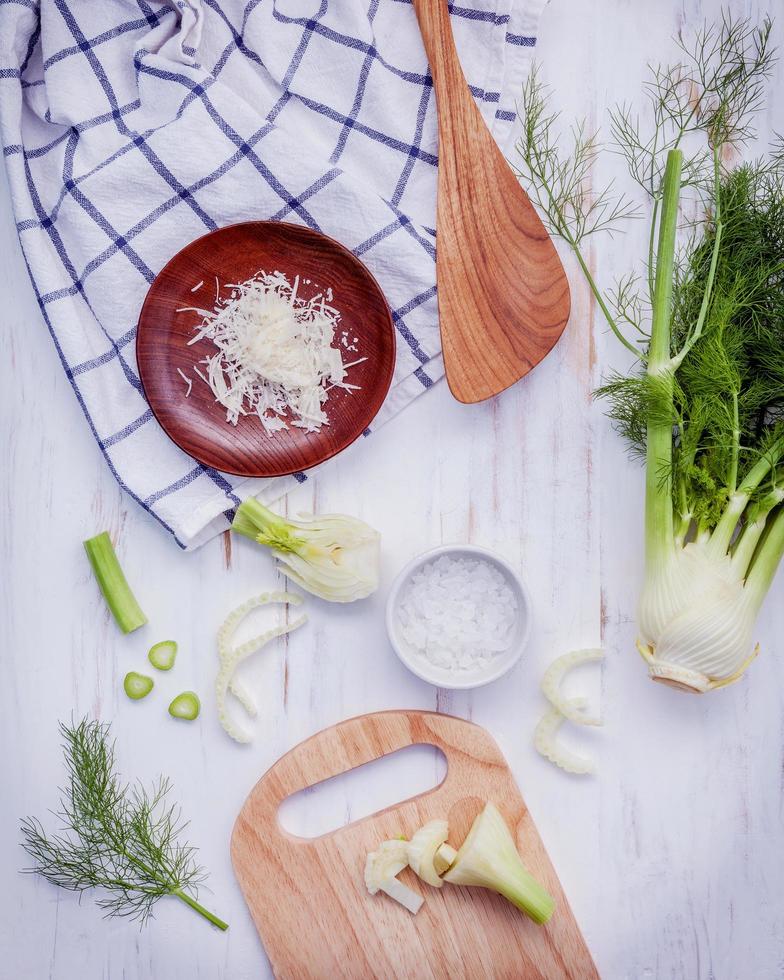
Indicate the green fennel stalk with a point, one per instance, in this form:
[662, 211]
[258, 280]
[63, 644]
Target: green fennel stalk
[113, 584]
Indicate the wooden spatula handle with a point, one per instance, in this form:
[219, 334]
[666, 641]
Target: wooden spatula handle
[435, 26]
[360, 740]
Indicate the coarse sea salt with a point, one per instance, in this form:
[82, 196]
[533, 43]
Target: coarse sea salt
[457, 613]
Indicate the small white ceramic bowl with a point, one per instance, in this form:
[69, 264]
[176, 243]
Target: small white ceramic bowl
[463, 679]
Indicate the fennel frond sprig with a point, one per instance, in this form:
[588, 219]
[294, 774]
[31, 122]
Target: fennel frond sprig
[122, 839]
[727, 67]
[559, 183]
[715, 90]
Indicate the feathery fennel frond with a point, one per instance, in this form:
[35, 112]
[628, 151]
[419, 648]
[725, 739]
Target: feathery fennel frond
[124, 840]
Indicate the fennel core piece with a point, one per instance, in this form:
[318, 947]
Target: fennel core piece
[113, 584]
[702, 405]
[122, 839]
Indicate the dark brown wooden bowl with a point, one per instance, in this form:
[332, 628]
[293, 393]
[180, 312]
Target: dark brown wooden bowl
[197, 424]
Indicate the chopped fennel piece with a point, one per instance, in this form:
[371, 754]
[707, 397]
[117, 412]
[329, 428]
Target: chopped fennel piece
[186, 706]
[402, 894]
[551, 685]
[381, 869]
[275, 356]
[113, 584]
[386, 862]
[546, 742]
[230, 657]
[162, 655]
[137, 686]
[422, 850]
[444, 858]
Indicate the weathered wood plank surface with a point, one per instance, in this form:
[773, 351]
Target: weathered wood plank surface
[672, 857]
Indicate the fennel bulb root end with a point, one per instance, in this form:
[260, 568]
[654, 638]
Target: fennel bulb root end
[689, 680]
[680, 678]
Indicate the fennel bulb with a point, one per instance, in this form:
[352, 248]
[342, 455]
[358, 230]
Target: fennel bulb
[706, 322]
[332, 556]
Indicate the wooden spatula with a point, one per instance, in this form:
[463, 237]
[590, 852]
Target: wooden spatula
[503, 298]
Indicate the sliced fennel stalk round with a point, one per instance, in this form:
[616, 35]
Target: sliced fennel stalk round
[162, 655]
[137, 686]
[186, 706]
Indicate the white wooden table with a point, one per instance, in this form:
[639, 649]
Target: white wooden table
[672, 857]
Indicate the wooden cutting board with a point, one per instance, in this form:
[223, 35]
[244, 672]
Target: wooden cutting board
[308, 898]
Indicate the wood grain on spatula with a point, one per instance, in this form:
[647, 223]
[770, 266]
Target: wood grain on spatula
[308, 896]
[503, 297]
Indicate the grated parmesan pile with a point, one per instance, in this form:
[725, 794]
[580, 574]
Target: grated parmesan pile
[458, 613]
[275, 355]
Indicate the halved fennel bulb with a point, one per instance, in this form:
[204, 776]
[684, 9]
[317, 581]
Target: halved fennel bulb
[334, 556]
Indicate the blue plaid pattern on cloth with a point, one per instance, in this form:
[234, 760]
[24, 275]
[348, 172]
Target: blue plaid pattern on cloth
[130, 127]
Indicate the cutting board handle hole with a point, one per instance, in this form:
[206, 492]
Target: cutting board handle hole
[361, 792]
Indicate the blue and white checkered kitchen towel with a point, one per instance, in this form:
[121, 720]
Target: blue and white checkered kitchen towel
[130, 127]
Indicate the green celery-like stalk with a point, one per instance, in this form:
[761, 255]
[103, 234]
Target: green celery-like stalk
[659, 527]
[766, 562]
[113, 584]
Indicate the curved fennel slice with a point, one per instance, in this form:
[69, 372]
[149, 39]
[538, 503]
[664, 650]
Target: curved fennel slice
[551, 685]
[546, 742]
[422, 850]
[231, 657]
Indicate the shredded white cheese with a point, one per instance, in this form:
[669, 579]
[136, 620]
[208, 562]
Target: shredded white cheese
[275, 354]
[187, 381]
